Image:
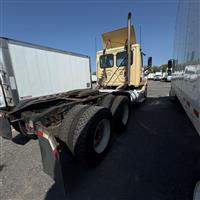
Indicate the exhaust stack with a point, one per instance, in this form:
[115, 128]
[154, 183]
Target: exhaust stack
[129, 48]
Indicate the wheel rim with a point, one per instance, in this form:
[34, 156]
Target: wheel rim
[125, 114]
[102, 135]
[197, 191]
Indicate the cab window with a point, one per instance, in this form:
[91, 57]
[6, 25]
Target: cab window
[106, 61]
[121, 59]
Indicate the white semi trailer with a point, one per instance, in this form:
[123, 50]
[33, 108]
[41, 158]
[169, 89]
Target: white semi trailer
[185, 66]
[29, 72]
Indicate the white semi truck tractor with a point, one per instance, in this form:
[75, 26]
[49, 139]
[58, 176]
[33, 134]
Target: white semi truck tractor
[185, 83]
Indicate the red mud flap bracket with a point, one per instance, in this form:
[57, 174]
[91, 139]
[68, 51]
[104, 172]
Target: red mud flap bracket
[51, 161]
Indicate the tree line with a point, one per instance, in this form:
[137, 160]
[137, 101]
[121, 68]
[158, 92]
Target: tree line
[162, 68]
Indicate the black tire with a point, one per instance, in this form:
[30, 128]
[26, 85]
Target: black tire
[85, 133]
[68, 125]
[107, 101]
[121, 110]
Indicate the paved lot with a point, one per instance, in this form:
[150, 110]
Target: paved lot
[154, 159]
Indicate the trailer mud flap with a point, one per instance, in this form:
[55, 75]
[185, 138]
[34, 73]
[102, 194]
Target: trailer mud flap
[51, 164]
[5, 128]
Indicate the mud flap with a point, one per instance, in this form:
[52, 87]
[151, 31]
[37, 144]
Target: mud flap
[5, 128]
[52, 166]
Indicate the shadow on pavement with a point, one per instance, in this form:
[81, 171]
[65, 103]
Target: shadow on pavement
[20, 139]
[155, 159]
[1, 167]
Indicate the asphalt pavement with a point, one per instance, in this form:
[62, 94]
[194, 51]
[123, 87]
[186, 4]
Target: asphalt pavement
[155, 158]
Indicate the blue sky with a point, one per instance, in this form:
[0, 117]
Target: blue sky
[74, 25]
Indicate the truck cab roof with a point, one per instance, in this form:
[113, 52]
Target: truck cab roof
[117, 38]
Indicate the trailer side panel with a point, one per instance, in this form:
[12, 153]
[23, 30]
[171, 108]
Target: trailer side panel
[40, 72]
[186, 73]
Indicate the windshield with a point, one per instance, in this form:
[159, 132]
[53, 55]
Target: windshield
[106, 61]
[121, 59]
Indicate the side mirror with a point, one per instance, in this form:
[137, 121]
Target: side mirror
[149, 65]
[149, 62]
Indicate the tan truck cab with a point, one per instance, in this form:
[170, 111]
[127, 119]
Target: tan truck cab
[112, 62]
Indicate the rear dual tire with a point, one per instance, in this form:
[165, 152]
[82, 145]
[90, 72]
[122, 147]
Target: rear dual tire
[87, 132]
[93, 133]
[120, 108]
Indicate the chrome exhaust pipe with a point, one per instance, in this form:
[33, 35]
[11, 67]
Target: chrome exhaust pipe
[129, 48]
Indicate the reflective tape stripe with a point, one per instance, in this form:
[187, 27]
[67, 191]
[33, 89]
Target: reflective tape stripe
[52, 141]
[54, 151]
[40, 133]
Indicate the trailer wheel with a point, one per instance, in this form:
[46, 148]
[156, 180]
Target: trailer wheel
[107, 101]
[92, 135]
[121, 112]
[68, 124]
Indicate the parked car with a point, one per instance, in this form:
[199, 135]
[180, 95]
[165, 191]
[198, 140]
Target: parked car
[150, 76]
[157, 77]
[169, 78]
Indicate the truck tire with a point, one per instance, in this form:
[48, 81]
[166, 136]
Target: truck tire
[121, 110]
[67, 126]
[107, 101]
[92, 135]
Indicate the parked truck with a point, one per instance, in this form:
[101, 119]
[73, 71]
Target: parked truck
[185, 82]
[36, 101]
